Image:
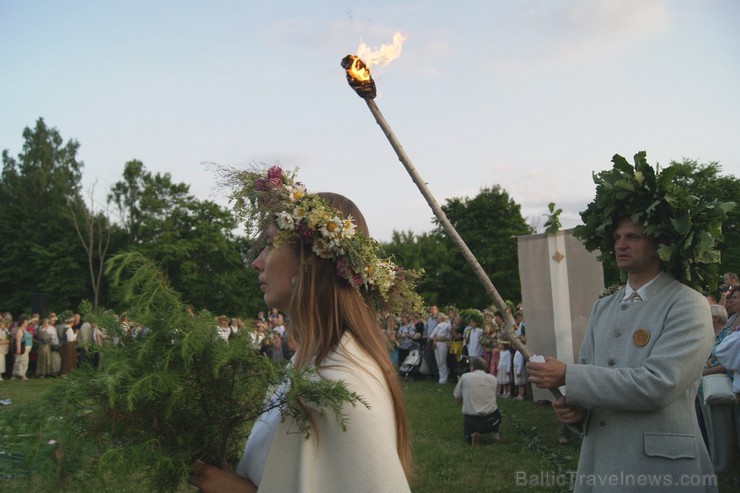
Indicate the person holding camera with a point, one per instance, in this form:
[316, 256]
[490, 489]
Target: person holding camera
[729, 282]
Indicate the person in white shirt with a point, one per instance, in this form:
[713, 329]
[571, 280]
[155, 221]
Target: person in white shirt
[728, 353]
[222, 329]
[520, 373]
[504, 369]
[69, 350]
[279, 325]
[472, 337]
[476, 391]
[405, 338]
[440, 338]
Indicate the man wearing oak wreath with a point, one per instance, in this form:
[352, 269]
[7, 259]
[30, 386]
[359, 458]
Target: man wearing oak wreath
[632, 391]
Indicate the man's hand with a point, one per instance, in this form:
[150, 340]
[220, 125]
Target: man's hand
[567, 414]
[547, 375]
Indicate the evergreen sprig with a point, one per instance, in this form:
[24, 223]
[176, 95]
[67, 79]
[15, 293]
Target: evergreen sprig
[160, 402]
[688, 228]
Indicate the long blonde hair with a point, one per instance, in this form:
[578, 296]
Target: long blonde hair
[323, 307]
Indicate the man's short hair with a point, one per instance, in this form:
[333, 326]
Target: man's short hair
[477, 363]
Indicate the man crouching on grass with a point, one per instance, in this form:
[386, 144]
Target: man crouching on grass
[477, 393]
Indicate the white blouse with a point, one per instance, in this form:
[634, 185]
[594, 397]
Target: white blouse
[52, 331]
[70, 334]
[253, 460]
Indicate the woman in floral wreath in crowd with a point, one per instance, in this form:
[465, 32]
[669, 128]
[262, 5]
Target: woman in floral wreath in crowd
[321, 268]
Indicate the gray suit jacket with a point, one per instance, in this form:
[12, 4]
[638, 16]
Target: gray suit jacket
[639, 369]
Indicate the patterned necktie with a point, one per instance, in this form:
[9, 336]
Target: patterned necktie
[635, 296]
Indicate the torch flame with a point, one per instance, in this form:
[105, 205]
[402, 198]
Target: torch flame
[357, 67]
[358, 70]
[383, 55]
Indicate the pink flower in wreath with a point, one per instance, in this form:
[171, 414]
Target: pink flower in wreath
[275, 177]
[343, 269]
[357, 279]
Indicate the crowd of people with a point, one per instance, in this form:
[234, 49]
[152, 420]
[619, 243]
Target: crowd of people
[720, 421]
[449, 340]
[31, 346]
[35, 347]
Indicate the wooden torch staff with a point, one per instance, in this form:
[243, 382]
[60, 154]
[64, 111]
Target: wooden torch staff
[510, 323]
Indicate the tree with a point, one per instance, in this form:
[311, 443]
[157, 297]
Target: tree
[705, 181]
[192, 241]
[41, 252]
[94, 232]
[197, 248]
[489, 223]
[143, 199]
[427, 251]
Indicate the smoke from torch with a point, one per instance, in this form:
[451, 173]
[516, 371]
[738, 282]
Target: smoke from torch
[359, 79]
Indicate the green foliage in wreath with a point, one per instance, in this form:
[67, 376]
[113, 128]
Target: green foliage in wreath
[688, 228]
[157, 403]
[472, 314]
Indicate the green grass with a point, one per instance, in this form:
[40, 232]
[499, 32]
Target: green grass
[443, 461]
[23, 392]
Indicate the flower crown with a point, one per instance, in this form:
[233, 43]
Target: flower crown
[274, 195]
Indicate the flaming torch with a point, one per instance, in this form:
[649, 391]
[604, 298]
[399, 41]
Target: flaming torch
[359, 79]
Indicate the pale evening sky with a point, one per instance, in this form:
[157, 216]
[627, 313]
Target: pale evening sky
[532, 95]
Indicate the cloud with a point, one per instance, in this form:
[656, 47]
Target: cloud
[580, 31]
[598, 28]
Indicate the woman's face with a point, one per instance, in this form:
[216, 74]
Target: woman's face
[277, 267]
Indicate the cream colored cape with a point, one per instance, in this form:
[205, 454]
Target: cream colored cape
[363, 458]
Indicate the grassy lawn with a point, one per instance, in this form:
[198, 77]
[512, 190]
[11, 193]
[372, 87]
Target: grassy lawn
[528, 448]
[444, 462]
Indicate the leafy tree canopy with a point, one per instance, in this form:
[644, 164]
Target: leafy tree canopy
[193, 241]
[708, 182]
[41, 251]
[489, 224]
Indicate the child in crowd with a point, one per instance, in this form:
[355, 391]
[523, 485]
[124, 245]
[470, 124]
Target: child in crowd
[520, 372]
[504, 370]
[495, 356]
